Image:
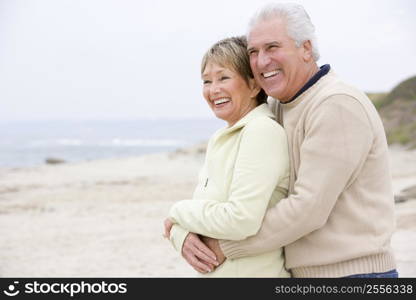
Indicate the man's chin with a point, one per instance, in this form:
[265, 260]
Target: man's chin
[275, 93]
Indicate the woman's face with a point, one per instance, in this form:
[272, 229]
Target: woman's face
[227, 93]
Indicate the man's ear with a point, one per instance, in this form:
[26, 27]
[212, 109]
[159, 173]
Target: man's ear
[307, 51]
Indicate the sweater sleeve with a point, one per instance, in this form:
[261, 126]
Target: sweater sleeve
[262, 161]
[338, 138]
[177, 237]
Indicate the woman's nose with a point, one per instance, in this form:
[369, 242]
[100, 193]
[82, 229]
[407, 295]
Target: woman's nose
[215, 88]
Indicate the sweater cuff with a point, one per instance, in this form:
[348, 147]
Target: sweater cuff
[177, 237]
[232, 249]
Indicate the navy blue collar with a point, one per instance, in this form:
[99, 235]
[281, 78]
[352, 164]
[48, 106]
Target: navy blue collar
[322, 72]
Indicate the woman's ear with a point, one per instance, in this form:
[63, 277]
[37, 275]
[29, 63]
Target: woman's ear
[254, 87]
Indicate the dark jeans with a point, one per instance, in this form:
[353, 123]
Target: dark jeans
[389, 274]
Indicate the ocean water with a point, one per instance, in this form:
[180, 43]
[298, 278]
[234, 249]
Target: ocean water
[29, 143]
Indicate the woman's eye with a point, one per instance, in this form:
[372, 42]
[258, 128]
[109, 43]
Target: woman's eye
[206, 81]
[224, 77]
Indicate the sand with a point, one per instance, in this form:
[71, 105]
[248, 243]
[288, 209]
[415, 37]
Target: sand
[105, 218]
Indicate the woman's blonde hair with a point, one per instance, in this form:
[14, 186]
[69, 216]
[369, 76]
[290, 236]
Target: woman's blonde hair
[232, 53]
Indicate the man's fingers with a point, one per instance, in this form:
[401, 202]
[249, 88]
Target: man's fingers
[199, 256]
[204, 257]
[211, 266]
[194, 261]
[201, 247]
[214, 246]
[198, 265]
[199, 270]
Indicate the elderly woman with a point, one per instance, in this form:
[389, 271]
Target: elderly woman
[246, 166]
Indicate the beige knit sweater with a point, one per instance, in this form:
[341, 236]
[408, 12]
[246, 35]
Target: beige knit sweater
[339, 216]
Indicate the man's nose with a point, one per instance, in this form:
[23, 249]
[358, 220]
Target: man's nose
[262, 59]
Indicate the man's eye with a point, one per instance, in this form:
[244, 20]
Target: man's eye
[252, 52]
[206, 81]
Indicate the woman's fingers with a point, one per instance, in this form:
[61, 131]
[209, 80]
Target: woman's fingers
[168, 226]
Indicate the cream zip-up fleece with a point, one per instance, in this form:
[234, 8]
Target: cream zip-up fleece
[246, 171]
[339, 216]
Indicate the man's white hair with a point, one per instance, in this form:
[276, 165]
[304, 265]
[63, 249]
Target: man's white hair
[298, 23]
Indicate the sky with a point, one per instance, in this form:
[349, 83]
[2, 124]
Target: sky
[127, 60]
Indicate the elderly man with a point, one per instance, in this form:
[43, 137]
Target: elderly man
[338, 217]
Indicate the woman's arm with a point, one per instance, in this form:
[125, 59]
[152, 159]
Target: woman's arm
[177, 236]
[262, 162]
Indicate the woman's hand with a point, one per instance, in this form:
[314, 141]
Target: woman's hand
[168, 226]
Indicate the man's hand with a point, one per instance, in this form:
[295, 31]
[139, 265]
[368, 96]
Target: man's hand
[197, 254]
[202, 256]
[214, 246]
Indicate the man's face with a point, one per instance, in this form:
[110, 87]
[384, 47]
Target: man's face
[278, 65]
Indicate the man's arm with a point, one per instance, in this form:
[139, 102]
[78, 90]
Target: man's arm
[338, 138]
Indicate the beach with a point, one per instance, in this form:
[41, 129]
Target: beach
[104, 218]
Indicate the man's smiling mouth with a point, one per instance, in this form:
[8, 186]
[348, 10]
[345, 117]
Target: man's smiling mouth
[270, 74]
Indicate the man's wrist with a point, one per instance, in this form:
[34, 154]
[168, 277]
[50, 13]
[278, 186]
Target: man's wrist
[231, 249]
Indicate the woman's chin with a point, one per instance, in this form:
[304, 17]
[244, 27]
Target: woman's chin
[222, 113]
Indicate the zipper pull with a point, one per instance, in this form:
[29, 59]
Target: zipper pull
[206, 182]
